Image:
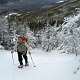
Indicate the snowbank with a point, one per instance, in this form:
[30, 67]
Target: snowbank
[1, 47]
[49, 66]
[60, 1]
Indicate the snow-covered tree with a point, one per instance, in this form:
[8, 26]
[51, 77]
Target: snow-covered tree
[71, 36]
[49, 38]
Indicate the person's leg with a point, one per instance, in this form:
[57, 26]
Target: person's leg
[26, 59]
[20, 58]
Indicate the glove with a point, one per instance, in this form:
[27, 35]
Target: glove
[23, 52]
[11, 52]
[29, 52]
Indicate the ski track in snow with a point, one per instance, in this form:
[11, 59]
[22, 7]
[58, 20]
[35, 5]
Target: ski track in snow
[49, 66]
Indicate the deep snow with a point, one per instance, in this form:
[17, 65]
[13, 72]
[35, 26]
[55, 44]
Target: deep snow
[49, 66]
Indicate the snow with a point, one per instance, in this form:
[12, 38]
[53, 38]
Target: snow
[60, 1]
[1, 47]
[49, 66]
[53, 65]
[10, 14]
[71, 21]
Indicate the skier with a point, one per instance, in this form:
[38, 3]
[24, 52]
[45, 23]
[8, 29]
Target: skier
[21, 48]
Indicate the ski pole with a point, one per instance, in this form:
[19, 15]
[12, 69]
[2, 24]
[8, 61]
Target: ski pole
[30, 54]
[32, 59]
[12, 58]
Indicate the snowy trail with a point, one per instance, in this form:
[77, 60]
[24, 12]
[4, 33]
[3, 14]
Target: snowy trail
[49, 66]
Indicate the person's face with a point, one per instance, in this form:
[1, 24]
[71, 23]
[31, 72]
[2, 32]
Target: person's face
[20, 40]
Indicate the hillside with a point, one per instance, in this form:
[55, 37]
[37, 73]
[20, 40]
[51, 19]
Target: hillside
[44, 30]
[20, 6]
[57, 12]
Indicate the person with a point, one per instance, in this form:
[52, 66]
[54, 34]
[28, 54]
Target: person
[22, 48]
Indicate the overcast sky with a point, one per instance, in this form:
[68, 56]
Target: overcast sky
[22, 5]
[5, 1]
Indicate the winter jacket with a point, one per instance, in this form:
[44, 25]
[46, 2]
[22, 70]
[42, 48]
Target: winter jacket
[16, 47]
[21, 47]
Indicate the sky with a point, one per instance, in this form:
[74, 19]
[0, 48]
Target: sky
[5, 1]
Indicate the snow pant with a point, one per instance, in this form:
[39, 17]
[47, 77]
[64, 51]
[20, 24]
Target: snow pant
[20, 55]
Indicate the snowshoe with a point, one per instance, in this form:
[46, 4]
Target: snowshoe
[26, 64]
[20, 66]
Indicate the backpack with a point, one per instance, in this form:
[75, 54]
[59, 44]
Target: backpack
[24, 38]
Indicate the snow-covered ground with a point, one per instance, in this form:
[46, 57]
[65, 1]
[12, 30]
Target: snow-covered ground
[60, 1]
[1, 47]
[49, 66]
